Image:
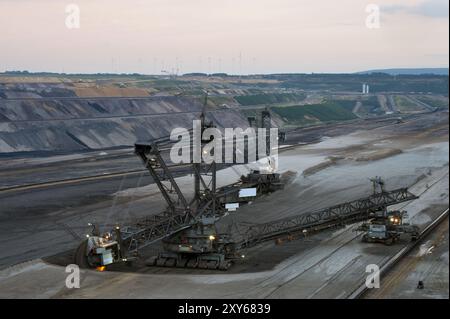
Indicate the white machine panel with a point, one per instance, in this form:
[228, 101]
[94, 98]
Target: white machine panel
[247, 192]
[231, 206]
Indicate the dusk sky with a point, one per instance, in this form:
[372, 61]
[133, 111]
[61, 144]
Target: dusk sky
[234, 36]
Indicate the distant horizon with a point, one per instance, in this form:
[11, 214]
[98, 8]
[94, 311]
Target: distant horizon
[24, 72]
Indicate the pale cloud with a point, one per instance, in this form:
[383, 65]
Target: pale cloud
[427, 8]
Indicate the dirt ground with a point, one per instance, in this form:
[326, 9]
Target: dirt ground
[326, 265]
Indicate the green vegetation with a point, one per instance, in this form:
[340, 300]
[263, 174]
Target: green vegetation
[378, 82]
[440, 103]
[215, 100]
[328, 111]
[274, 98]
[371, 106]
[406, 105]
[167, 83]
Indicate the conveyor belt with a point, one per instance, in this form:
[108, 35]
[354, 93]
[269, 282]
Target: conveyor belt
[341, 214]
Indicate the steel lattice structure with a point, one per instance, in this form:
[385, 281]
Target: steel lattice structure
[153, 229]
[157, 227]
[341, 214]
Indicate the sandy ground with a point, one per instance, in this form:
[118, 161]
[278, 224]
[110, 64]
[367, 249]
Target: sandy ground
[329, 265]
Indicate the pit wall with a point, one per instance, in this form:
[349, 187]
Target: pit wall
[72, 124]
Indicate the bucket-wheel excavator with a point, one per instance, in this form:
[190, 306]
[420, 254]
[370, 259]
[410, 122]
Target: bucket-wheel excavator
[187, 228]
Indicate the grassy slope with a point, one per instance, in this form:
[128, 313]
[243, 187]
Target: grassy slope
[405, 105]
[434, 102]
[309, 114]
[258, 99]
[371, 106]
